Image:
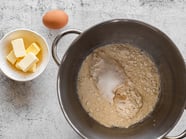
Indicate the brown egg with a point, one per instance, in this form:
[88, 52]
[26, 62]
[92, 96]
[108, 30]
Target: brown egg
[55, 19]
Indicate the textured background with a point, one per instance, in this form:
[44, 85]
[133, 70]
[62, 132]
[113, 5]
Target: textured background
[30, 110]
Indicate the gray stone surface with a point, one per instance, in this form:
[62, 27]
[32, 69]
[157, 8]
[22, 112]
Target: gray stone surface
[30, 110]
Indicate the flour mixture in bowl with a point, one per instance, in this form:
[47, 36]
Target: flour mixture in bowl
[118, 85]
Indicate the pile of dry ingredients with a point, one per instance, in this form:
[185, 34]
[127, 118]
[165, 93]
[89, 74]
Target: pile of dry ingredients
[118, 85]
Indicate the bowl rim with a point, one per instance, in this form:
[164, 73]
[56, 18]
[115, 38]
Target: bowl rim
[47, 58]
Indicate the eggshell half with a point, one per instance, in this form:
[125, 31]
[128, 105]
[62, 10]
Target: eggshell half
[55, 19]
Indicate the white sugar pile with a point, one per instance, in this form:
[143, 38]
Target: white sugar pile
[108, 77]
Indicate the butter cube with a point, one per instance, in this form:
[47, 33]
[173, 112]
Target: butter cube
[33, 68]
[17, 61]
[34, 48]
[18, 47]
[11, 57]
[27, 62]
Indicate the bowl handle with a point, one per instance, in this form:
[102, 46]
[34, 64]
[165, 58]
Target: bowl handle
[181, 136]
[56, 40]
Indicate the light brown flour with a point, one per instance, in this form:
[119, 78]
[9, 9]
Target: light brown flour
[118, 85]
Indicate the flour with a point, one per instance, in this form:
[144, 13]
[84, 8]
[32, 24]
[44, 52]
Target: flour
[118, 85]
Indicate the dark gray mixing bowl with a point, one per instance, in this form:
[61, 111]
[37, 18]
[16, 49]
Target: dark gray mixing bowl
[167, 58]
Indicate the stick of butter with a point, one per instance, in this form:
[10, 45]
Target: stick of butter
[31, 69]
[27, 62]
[34, 48]
[11, 57]
[18, 47]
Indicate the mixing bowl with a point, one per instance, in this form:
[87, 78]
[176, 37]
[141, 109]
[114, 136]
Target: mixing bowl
[167, 58]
